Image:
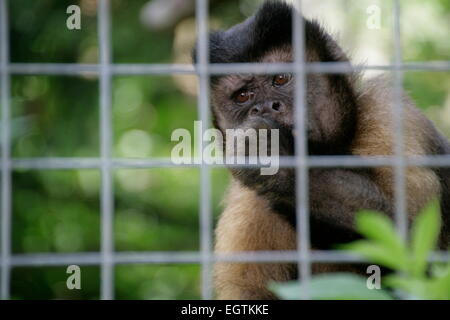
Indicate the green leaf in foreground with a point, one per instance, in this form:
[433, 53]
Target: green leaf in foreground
[332, 286]
[378, 227]
[383, 244]
[439, 287]
[378, 254]
[436, 287]
[424, 236]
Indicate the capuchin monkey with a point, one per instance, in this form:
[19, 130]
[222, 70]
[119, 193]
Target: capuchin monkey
[345, 116]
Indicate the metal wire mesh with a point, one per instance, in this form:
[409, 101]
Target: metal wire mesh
[107, 258]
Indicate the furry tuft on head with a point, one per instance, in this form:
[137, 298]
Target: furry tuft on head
[269, 28]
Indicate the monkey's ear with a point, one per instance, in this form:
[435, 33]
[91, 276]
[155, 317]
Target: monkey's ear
[232, 45]
[321, 44]
[269, 28]
[221, 47]
[332, 98]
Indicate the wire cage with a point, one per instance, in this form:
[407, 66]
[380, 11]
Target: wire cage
[107, 258]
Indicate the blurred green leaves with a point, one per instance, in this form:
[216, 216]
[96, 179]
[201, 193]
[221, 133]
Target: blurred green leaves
[425, 233]
[383, 245]
[53, 213]
[333, 286]
[158, 282]
[414, 277]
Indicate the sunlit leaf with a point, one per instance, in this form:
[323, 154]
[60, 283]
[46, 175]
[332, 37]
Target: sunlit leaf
[332, 286]
[379, 254]
[439, 286]
[409, 288]
[380, 228]
[425, 233]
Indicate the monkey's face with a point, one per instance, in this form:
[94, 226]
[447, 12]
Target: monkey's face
[253, 101]
[267, 101]
[259, 102]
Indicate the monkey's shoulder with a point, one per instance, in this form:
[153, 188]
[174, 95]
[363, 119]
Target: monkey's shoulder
[375, 135]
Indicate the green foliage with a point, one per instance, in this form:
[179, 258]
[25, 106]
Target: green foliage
[425, 233]
[335, 286]
[383, 245]
[157, 281]
[414, 277]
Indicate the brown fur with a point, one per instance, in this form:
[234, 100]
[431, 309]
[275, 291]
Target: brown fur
[248, 223]
[345, 117]
[375, 138]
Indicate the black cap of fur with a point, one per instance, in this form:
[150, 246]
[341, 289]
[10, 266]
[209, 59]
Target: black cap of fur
[269, 28]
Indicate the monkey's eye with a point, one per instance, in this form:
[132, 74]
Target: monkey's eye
[280, 80]
[243, 96]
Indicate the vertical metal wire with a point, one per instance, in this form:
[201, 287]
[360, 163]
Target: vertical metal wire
[302, 196]
[107, 192]
[205, 175]
[6, 152]
[399, 168]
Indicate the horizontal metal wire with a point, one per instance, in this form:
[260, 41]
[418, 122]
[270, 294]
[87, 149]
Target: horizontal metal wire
[191, 257]
[284, 162]
[228, 68]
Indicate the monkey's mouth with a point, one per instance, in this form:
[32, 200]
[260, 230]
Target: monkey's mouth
[286, 139]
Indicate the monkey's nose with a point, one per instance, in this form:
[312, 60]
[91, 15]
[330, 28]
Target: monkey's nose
[272, 107]
[276, 106]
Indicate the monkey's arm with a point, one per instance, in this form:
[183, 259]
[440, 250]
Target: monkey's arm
[336, 195]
